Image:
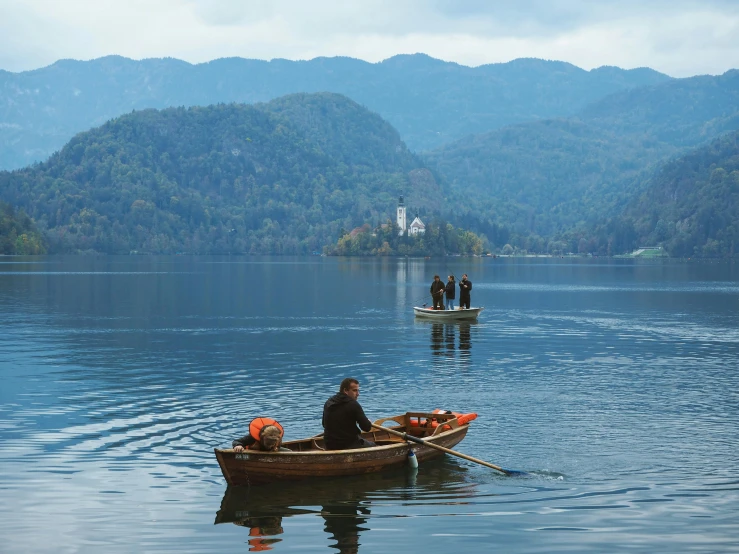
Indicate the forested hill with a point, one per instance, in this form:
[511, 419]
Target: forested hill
[546, 177]
[18, 235]
[429, 101]
[282, 177]
[691, 206]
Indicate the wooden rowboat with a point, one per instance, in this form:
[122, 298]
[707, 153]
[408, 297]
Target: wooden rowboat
[448, 315]
[308, 458]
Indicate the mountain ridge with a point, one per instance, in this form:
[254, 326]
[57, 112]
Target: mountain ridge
[429, 101]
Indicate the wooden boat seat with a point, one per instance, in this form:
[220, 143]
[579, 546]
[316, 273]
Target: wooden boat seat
[385, 442]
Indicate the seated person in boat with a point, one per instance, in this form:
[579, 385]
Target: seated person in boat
[343, 417]
[264, 434]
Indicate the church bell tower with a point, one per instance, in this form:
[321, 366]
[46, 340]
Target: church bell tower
[401, 220]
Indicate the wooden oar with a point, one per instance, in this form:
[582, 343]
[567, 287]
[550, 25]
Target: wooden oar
[411, 438]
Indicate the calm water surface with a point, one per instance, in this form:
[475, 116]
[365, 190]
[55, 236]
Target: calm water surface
[614, 383]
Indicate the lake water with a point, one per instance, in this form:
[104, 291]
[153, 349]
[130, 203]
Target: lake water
[613, 383]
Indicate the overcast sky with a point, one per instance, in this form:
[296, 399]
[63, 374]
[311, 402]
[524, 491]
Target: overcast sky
[677, 37]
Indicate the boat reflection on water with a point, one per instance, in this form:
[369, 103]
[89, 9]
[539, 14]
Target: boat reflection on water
[345, 504]
[262, 531]
[465, 340]
[444, 340]
[344, 522]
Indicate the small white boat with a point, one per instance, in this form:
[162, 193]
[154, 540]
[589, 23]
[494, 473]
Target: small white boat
[448, 315]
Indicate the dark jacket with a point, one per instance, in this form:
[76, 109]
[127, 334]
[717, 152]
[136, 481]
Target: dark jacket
[246, 441]
[464, 293]
[341, 415]
[450, 290]
[437, 287]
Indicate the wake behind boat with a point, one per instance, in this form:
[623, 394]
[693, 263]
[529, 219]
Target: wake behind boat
[447, 315]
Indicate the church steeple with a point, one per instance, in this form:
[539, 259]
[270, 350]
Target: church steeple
[401, 219]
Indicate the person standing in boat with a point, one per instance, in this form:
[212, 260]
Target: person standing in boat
[437, 293]
[343, 417]
[451, 291]
[465, 286]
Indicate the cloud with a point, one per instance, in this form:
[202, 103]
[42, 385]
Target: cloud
[679, 37]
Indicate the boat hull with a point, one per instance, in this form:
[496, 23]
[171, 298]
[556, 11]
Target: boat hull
[447, 315]
[253, 467]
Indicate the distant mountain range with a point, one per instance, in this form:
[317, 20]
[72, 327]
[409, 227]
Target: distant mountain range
[631, 159]
[429, 102]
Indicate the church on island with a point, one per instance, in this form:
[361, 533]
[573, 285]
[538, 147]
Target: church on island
[415, 228]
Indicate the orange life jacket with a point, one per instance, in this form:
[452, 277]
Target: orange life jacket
[259, 423]
[466, 418]
[461, 419]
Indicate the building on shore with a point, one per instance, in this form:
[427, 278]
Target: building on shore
[417, 227]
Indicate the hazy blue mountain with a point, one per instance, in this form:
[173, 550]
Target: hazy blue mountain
[691, 206]
[548, 176]
[282, 177]
[429, 101]
[682, 112]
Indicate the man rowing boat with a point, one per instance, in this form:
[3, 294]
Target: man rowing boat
[343, 417]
